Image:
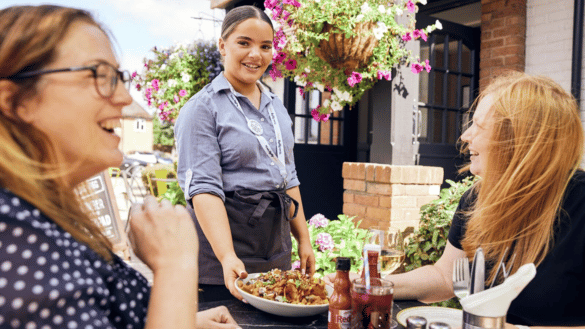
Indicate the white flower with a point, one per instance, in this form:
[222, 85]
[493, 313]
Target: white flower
[382, 9]
[163, 67]
[365, 8]
[326, 103]
[185, 77]
[380, 30]
[359, 17]
[424, 2]
[319, 86]
[173, 56]
[300, 81]
[335, 106]
[438, 25]
[172, 83]
[399, 12]
[308, 69]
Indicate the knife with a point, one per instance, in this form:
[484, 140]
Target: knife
[477, 272]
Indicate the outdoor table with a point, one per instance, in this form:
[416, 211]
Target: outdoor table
[248, 317]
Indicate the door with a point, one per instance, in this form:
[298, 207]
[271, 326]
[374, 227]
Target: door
[446, 93]
[320, 150]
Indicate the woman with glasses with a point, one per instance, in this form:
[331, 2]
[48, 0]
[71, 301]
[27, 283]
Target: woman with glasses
[236, 164]
[61, 95]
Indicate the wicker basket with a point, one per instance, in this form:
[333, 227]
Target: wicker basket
[343, 53]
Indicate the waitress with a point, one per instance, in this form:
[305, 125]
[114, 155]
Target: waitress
[236, 165]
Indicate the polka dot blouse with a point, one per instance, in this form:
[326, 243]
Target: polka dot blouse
[50, 280]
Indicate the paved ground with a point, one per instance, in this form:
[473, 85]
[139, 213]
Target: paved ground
[124, 202]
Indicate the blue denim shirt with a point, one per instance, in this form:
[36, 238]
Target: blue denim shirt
[218, 152]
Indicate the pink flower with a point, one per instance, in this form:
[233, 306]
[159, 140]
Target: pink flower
[354, 79]
[276, 12]
[279, 57]
[285, 15]
[407, 37]
[427, 66]
[385, 75]
[410, 6]
[423, 35]
[318, 116]
[292, 2]
[161, 106]
[291, 64]
[138, 87]
[302, 92]
[156, 84]
[275, 73]
[416, 68]
[318, 220]
[296, 265]
[182, 93]
[176, 99]
[325, 241]
[416, 34]
[269, 4]
[134, 74]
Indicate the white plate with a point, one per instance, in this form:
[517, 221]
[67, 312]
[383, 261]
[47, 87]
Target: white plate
[452, 317]
[279, 308]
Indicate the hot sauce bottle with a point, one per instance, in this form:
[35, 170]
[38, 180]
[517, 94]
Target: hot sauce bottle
[340, 300]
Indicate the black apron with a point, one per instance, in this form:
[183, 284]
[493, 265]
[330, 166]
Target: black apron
[260, 231]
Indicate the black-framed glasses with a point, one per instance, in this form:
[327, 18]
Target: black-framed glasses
[105, 76]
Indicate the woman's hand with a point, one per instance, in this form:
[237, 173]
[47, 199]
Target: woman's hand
[307, 257]
[217, 317]
[233, 268]
[163, 236]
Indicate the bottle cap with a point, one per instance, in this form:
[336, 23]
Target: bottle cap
[343, 264]
[439, 325]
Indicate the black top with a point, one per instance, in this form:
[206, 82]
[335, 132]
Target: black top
[554, 296]
[50, 280]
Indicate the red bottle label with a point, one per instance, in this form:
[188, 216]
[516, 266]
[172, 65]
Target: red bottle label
[338, 319]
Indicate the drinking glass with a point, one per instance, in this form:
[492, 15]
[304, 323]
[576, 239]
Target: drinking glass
[391, 244]
[371, 307]
[391, 256]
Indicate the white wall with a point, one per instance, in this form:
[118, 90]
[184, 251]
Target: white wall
[549, 43]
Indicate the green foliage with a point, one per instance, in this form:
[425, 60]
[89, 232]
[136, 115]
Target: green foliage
[427, 244]
[149, 172]
[348, 241]
[174, 194]
[163, 132]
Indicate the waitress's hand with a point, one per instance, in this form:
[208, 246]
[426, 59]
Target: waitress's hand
[307, 257]
[233, 268]
[216, 318]
[163, 235]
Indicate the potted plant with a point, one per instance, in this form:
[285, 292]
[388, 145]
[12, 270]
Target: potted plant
[175, 74]
[343, 46]
[331, 239]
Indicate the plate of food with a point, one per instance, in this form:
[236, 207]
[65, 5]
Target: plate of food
[452, 317]
[285, 293]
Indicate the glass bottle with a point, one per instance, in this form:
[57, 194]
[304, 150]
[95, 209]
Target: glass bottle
[340, 300]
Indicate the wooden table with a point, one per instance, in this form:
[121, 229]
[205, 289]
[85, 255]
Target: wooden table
[248, 317]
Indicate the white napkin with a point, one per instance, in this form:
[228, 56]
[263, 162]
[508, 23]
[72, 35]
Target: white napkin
[495, 302]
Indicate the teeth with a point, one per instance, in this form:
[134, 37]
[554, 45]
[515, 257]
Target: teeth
[110, 124]
[252, 66]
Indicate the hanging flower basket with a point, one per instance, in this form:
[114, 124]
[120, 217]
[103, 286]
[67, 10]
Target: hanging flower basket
[343, 46]
[348, 53]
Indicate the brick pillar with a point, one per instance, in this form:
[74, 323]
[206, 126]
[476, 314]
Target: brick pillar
[384, 195]
[503, 38]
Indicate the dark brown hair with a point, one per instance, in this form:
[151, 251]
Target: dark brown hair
[239, 14]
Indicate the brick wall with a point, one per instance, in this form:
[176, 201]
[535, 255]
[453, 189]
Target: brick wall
[503, 38]
[384, 195]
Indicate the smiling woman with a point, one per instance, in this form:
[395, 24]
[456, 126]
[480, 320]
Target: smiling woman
[61, 95]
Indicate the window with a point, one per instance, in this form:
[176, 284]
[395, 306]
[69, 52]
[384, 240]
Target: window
[140, 125]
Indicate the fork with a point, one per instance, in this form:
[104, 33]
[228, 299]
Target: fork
[461, 277]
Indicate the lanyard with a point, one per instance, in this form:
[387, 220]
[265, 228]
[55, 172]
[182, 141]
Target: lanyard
[256, 128]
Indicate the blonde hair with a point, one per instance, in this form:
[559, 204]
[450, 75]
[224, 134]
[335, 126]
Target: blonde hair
[536, 146]
[29, 38]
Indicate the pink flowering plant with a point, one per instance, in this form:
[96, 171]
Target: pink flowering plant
[331, 239]
[168, 80]
[302, 26]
